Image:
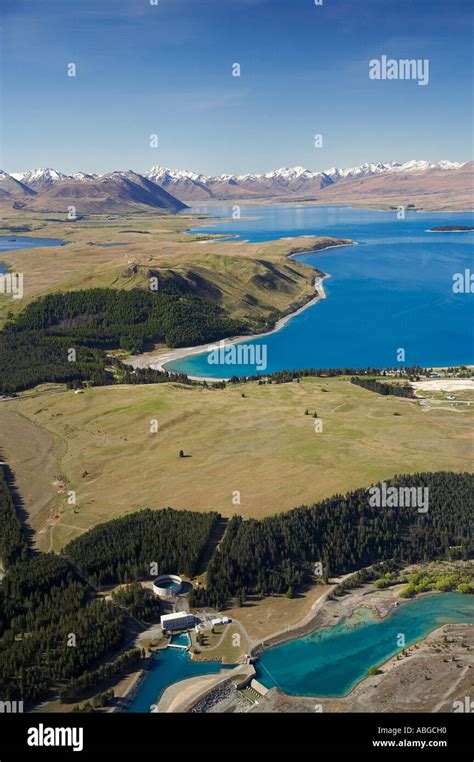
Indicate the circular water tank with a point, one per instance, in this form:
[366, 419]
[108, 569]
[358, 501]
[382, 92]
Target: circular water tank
[167, 585]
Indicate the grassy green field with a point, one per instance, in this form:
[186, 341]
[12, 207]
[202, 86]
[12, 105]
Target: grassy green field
[261, 446]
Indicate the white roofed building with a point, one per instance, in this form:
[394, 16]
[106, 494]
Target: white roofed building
[180, 620]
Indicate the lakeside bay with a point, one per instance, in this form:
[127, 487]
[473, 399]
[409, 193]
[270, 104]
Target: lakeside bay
[393, 290]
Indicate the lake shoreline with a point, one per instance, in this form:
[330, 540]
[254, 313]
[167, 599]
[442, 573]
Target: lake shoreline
[321, 623]
[398, 685]
[318, 619]
[160, 359]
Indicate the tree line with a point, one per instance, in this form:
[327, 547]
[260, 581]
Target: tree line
[124, 661]
[105, 317]
[397, 390]
[35, 345]
[343, 533]
[410, 372]
[13, 540]
[129, 548]
[29, 359]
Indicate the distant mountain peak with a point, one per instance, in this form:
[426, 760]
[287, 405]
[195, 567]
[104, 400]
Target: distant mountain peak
[84, 176]
[416, 165]
[42, 174]
[158, 173]
[12, 187]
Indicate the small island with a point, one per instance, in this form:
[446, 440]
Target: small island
[451, 229]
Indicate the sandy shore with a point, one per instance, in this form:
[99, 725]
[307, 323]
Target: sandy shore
[159, 359]
[309, 623]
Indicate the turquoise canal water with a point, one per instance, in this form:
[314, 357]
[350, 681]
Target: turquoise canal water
[330, 662]
[13, 242]
[327, 663]
[393, 290]
[169, 666]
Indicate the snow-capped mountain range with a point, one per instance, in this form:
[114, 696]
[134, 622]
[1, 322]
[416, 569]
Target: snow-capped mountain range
[49, 176]
[191, 187]
[48, 189]
[45, 178]
[286, 178]
[293, 173]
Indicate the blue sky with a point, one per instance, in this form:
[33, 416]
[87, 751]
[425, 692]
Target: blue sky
[167, 70]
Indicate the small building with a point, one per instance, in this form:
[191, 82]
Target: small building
[180, 620]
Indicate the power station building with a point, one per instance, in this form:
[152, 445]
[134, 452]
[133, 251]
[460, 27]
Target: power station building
[180, 620]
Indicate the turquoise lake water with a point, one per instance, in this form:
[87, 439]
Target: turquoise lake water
[330, 662]
[12, 242]
[393, 290]
[168, 666]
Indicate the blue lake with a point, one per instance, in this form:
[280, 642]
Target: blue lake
[331, 661]
[393, 290]
[13, 242]
[169, 666]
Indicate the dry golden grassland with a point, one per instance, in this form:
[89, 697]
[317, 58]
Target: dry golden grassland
[263, 618]
[262, 446]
